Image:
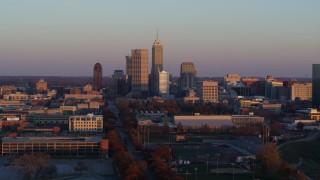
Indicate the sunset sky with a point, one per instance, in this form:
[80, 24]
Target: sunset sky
[247, 37]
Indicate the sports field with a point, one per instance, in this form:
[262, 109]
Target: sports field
[200, 154]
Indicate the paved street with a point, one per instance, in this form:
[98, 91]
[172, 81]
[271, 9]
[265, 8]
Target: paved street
[125, 139]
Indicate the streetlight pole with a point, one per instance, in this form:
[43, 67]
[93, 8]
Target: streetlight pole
[217, 155]
[196, 169]
[207, 164]
[232, 171]
[253, 169]
[186, 175]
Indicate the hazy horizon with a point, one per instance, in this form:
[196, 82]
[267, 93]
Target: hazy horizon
[249, 38]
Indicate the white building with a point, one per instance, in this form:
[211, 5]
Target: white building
[88, 123]
[163, 82]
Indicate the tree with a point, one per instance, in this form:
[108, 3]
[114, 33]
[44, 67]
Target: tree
[56, 130]
[163, 152]
[205, 129]
[285, 170]
[13, 135]
[180, 127]
[33, 165]
[269, 157]
[300, 125]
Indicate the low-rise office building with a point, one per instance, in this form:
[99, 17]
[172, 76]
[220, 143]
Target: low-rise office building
[88, 123]
[314, 114]
[52, 119]
[198, 121]
[247, 120]
[55, 146]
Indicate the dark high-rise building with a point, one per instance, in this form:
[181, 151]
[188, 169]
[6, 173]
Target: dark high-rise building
[188, 76]
[157, 65]
[129, 72]
[97, 77]
[315, 85]
[118, 83]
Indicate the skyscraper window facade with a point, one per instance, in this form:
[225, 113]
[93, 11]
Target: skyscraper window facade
[316, 85]
[97, 77]
[157, 65]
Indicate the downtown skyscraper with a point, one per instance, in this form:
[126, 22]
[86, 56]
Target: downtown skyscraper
[137, 72]
[315, 85]
[157, 65]
[97, 77]
[188, 77]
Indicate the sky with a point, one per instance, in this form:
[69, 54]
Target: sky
[247, 37]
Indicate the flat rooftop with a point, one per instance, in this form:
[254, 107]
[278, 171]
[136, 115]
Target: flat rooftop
[52, 139]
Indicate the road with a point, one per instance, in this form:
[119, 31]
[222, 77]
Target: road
[125, 138]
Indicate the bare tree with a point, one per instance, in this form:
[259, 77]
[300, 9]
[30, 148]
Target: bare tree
[269, 157]
[34, 165]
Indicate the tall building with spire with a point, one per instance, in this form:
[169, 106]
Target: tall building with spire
[97, 77]
[157, 65]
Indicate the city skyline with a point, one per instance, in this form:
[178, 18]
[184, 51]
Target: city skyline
[64, 38]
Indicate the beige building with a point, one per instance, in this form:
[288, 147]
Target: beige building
[61, 146]
[88, 123]
[302, 91]
[51, 93]
[191, 97]
[247, 120]
[45, 111]
[231, 78]
[68, 109]
[83, 96]
[314, 114]
[208, 91]
[138, 62]
[11, 103]
[7, 89]
[87, 88]
[15, 97]
[41, 86]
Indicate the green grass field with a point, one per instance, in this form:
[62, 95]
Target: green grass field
[308, 151]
